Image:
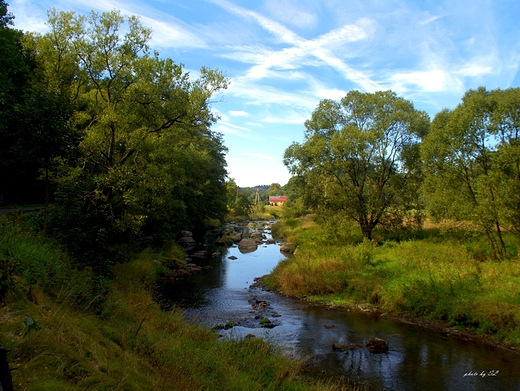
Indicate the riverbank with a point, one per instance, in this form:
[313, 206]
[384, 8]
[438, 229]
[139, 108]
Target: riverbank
[67, 329]
[438, 278]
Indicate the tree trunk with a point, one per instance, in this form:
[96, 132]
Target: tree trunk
[366, 230]
[46, 207]
[6, 381]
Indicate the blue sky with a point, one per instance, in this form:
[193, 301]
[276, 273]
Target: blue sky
[283, 56]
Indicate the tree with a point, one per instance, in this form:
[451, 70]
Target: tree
[147, 152]
[6, 18]
[472, 159]
[361, 156]
[34, 129]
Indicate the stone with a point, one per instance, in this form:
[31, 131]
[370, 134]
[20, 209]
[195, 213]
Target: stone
[247, 245]
[187, 242]
[232, 257]
[377, 345]
[193, 268]
[286, 247]
[329, 326]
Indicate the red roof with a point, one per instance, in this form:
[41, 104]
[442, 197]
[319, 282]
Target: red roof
[277, 198]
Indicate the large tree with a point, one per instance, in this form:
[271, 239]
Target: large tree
[472, 162]
[34, 128]
[147, 148]
[361, 156]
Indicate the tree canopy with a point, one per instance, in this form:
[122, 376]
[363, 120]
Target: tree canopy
[361, 156]
[122, 135]
[472, 159]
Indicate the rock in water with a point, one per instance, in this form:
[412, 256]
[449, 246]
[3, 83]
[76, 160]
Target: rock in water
[247, 245]
[377, 345]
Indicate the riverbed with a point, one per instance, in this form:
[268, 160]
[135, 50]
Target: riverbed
[224, 298]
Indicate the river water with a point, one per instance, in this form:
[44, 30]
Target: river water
[416, 359]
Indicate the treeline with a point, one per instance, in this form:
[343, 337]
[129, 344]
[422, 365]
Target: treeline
[246, 202]
[116, 138]
[374, 159]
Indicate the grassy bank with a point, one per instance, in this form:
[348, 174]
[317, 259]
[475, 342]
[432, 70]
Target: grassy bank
[67, 329]
[441, 273]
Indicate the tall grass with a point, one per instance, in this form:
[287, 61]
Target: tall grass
[440, 274]
[61, 338]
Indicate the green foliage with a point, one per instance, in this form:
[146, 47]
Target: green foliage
[6, 18]
[7, 268]
[131, 344]
[34, 262]
[471, 160]
[442, 273]
[365, 252]
[361, 156]
[120, 137]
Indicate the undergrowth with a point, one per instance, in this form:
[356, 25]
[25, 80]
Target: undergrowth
[67, 329]
[440, 273]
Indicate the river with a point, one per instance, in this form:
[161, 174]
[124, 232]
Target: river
[417, 359]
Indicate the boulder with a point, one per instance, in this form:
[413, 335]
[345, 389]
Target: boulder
[286, 247]
[187, 242]
[193, 268]
[247, 245]
[201, 254]
[377, 345]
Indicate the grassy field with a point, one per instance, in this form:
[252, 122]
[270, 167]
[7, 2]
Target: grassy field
[442, 273]
[67, 329]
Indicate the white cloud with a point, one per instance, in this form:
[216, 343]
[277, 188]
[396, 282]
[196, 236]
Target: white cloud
[294, 14]
[284, 34]
[333, 94]
[475, 70]
[300, 49]
[434, 80]
[172, 34]
[286, 120]
[258, 155]
[229, 128]
[431, 19]
[238, 113]
[262, 95]
[28, 17]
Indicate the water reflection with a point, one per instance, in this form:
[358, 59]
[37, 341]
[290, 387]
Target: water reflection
[416, 360]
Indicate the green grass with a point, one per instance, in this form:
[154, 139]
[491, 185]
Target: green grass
[445, 275]
[68, 330]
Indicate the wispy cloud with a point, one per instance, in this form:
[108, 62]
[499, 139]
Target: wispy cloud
[229, 128]
[434, 80]
[172, 34]
[295, 14]
[300, 49]
[238, 113]
[258, 155]
[431, 19]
